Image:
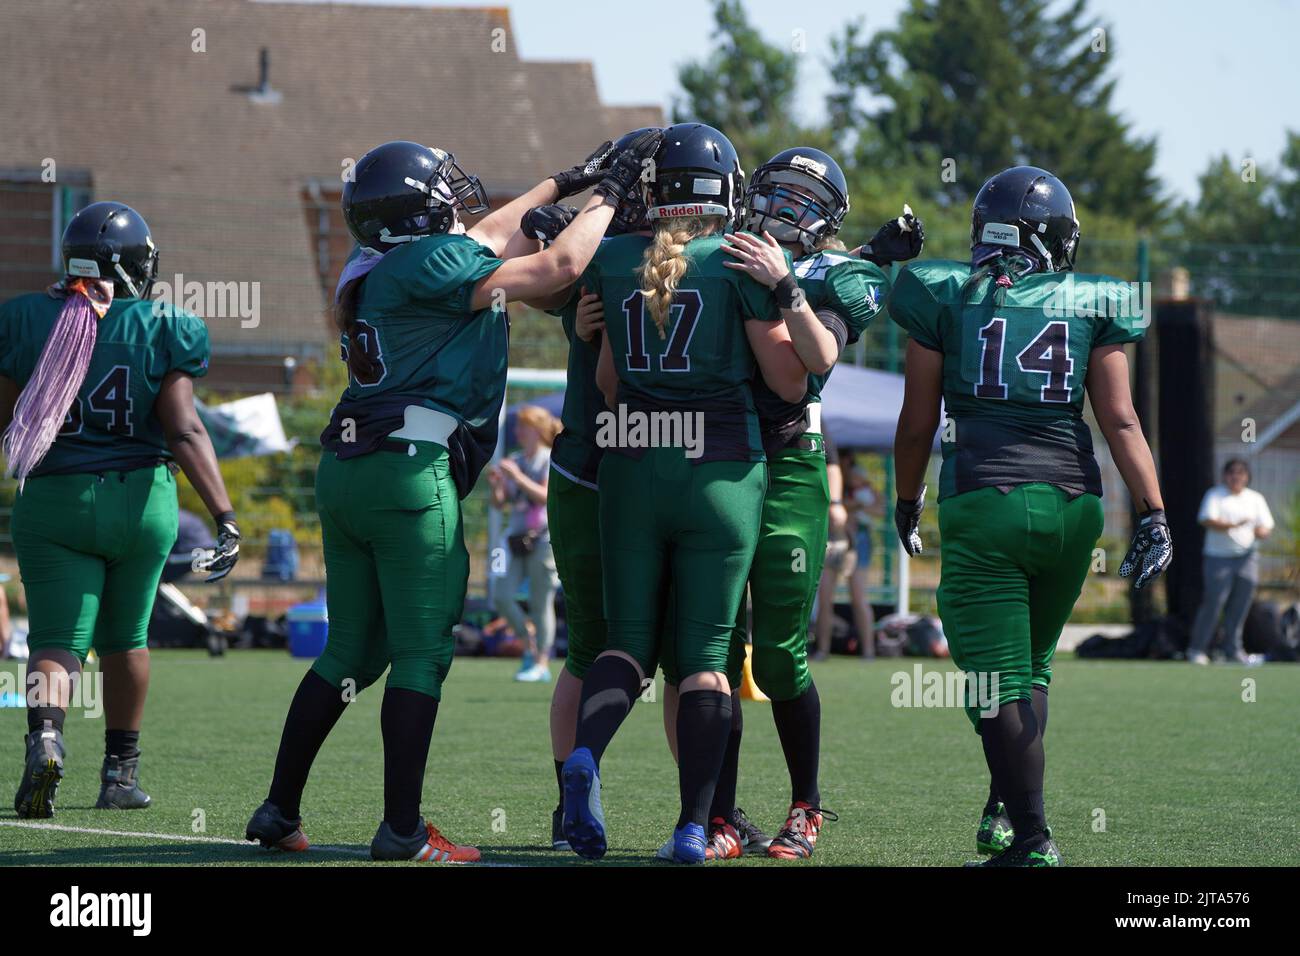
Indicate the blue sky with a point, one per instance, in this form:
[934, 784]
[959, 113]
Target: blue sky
[1204, 76]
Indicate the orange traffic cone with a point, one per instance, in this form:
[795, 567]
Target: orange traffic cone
[748, 689]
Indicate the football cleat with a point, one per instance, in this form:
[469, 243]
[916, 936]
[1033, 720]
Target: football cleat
[724, 841]
[275, 831]
[1037, 850]
[42, 772]
[557, 830]
[995, 832]
[796, 840]
[690, 844]
[426, 845]
[584, 818]
[119, 785]
[751, 837]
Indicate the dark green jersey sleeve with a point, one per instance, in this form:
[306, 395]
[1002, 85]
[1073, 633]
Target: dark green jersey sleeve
[913, 306]
[448, 272]
[8, 353]
[856, 290]
[1121, 317]
[188, 350]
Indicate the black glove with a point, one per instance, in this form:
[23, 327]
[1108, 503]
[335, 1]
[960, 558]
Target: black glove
[546, 222]
[587, 173]
[897, 240]
[629, 165]
[1151, 551]
[220, 560]
[907, 515]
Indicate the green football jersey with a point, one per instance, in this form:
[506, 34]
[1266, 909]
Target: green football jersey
[111, 425]
[703, 361]
[1013, 373]
[575, 453]
[853, 289]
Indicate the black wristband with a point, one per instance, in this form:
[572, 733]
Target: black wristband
[786, 291]
[226, 517]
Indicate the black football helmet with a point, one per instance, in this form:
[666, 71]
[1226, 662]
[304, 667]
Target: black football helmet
[110, 240]
[1029, 209]
[799, 195]
[630, 215]
[401, 191]
[696, 173]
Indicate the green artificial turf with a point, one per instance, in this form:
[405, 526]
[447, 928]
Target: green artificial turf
[1148, 764]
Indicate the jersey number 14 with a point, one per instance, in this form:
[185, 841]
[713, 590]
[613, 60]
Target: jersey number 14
[1048, 353]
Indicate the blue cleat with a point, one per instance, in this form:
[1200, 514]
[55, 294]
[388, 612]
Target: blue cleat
[689, 844]
[584, 819]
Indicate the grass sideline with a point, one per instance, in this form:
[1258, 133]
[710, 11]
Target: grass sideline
[1185, 771]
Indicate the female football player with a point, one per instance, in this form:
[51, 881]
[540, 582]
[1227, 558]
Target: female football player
[1011, 349]
[421, 314]
[572, 504]
[97, 402]
[682, 480]
[796, 203]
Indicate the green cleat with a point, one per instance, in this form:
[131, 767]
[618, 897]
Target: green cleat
[42, 771]
[1038, 850]
[995, 832]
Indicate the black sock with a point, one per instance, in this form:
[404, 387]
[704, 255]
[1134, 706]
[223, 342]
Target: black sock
[317, 706]
[1039, 703]
[608, 690]
[123, 744]
[37, 716]
[799, 725]
[724, 794]
[703, 731]
[1013, 749]
[559, 779]
[406, 720]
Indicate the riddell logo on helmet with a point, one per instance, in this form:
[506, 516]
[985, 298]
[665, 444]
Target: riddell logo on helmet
[809, 163]
[686, 210]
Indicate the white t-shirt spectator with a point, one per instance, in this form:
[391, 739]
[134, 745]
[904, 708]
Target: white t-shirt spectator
[1219, 504]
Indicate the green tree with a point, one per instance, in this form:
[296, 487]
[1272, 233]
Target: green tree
[960, 89]
[745, 88]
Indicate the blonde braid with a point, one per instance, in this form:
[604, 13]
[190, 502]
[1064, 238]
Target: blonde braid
[833, 243]
[665, 262]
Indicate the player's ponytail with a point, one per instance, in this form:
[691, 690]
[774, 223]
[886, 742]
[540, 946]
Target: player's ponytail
[1003, 272]
[59, 373]
[831, 242]
[665, 262]
[360, 365]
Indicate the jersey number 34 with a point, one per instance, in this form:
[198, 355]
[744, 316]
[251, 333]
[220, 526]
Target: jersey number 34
[1048, 353]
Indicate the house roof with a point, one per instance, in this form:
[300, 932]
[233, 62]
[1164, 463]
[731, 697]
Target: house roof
[173, 130]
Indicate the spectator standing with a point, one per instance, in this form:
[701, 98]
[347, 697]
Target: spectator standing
[1236, 518]
[519, 484]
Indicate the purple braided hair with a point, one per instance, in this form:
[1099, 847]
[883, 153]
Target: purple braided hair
[49, 392]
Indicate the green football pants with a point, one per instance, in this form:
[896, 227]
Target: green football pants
[396, 567]
[1013, 566]
[787, 568]
[667, 524]
[91, 550]
[573, 516]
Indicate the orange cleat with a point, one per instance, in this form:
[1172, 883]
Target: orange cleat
[798, 837]
[438, 849]
[724, 841]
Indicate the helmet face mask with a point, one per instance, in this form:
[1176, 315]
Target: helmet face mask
[1027, 210]
[402, 191]
[798, 196]
[111, 241]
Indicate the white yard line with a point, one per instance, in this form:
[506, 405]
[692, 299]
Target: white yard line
[190, 838]
[180, 837]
